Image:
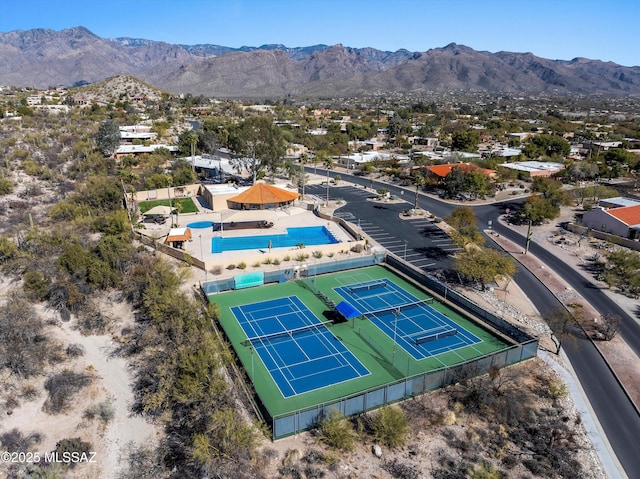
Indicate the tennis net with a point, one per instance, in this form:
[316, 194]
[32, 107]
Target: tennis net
[368, 287]
[290, 333]
[399, 309]
[445, 332]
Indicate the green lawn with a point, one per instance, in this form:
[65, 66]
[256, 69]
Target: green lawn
[188, 206]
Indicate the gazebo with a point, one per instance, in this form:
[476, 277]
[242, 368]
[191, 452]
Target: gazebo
[178, 236]
[262, 196]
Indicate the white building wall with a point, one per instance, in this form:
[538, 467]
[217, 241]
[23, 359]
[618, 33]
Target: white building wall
[600, 220]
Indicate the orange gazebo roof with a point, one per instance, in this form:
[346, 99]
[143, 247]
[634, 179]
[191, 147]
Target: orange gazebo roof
[262, 193]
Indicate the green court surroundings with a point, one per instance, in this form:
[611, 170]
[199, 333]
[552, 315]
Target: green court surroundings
[387, 368]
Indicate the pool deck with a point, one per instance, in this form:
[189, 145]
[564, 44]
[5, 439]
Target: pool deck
[200, 245]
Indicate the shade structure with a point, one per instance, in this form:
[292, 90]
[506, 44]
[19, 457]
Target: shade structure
[347, 310]
[158, 210]
[262, 196]
[178, 234]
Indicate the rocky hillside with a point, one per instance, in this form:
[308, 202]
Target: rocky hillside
[75, 56]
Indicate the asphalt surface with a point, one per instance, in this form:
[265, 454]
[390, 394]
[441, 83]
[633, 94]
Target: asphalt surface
[423, 245]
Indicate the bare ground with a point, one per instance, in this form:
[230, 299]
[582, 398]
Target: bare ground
[111, 382]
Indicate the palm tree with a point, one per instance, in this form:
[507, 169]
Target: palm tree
[419, 182]
[328, 164]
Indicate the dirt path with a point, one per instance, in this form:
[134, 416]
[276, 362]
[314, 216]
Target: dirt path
[111, 382]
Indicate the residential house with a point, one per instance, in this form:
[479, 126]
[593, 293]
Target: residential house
[535, 168]
[623, 221]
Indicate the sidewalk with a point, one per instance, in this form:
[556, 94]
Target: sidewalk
[620, 357]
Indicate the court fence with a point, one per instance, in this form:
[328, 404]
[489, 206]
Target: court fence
[298, 421]
[307, 270]
[415, 383]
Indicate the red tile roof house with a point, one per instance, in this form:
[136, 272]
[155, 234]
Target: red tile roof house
[624, 222]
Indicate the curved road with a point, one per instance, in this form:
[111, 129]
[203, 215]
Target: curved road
[616, 414]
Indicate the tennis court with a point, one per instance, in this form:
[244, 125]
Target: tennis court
[419, 329]
[299, 351]
[305, 360]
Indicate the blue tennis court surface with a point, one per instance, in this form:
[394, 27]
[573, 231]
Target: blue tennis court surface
[299, 350]
[418, 328]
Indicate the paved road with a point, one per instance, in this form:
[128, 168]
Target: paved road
[617, 415]
[418, 241]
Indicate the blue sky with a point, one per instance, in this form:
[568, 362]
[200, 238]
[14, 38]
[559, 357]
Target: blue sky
[555, 29]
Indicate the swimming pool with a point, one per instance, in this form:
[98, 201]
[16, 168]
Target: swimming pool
[200, 224]
[307, 235]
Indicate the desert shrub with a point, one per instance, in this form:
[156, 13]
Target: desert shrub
[286, 258]
[15, 441]
[401, 470]
[358, 248]
[268, 261]
[217, 269]
[390, 426]
[317, 254]
[24, 346]
[92, 320]
[314, 456]
[243, 265]
[75, 350]
[336, 431]
[104, 411]
[6, 186]
[61, 388]
[141, 463]
[266, 457]
[276, 261]
[30, 392]
[558, 390]
[311, 472]
[73, 445]
[485, 470]
[231, 266]
[331, 255]
[35, 285]
[257, 264]
[8, 249]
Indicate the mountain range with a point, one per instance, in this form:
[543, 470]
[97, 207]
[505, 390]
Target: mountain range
[44, 58]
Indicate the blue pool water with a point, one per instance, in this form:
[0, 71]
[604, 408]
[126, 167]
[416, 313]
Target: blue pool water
[307, 235]
[200, 224]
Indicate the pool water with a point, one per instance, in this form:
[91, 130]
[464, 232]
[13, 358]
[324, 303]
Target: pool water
[307, 235]
[200, 224]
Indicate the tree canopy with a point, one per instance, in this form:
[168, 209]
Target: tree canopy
[463, 220]
[260, 142]
[478, 263]
[108, 137]
[547, 145]
[466, 140]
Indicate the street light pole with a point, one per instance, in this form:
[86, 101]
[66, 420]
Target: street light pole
[204, 265]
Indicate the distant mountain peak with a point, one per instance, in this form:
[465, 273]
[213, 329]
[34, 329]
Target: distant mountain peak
[43, 57]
